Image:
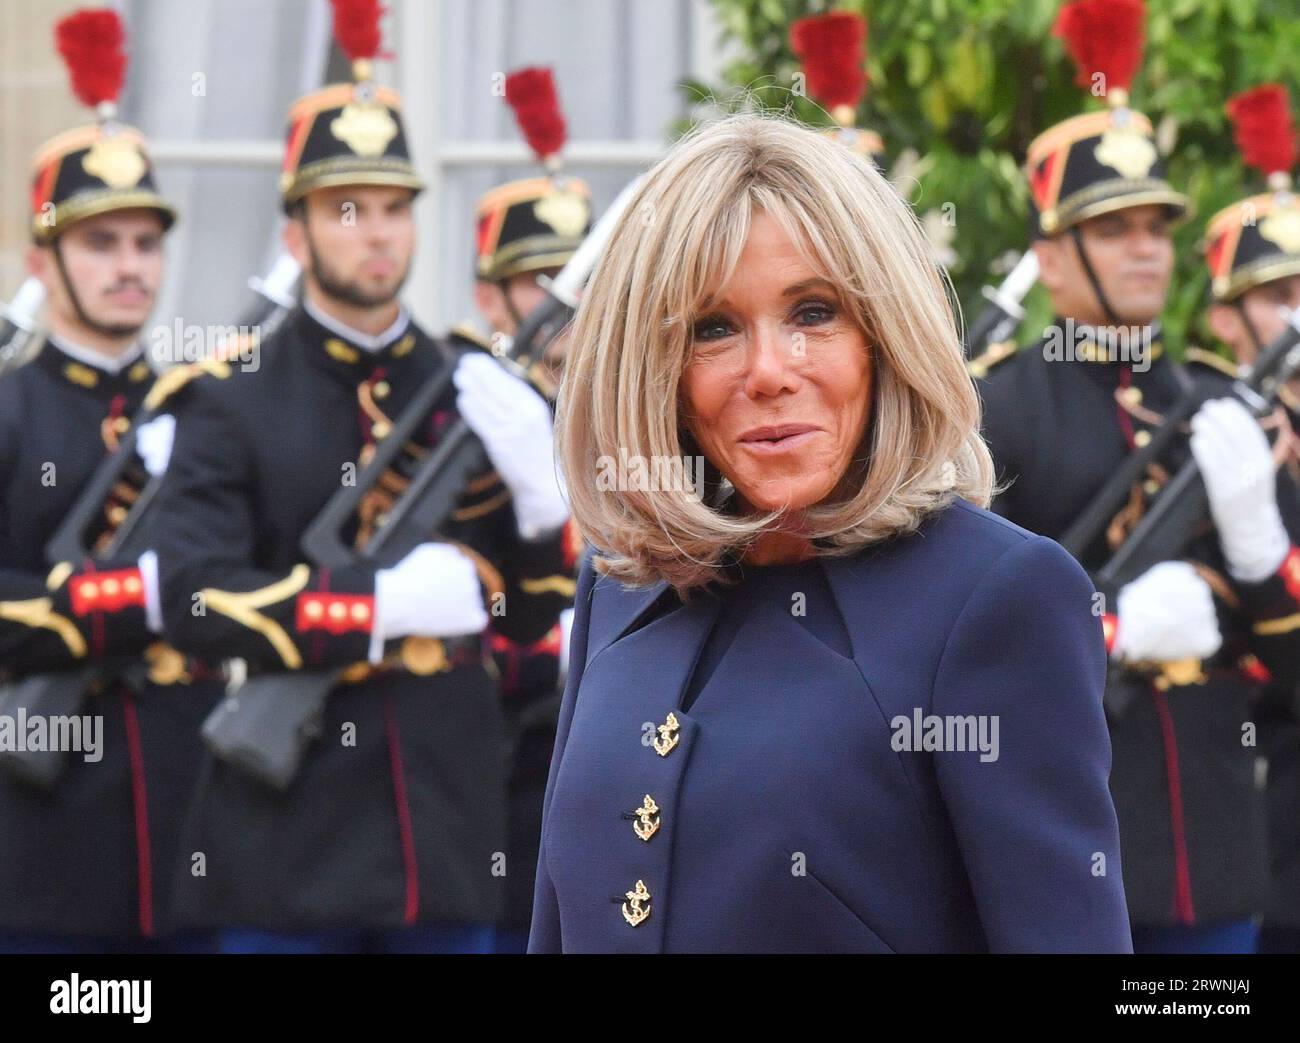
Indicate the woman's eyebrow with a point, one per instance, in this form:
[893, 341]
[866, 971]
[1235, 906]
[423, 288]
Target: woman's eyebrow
[807, 284]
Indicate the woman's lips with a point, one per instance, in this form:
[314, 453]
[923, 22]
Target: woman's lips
[779, 438]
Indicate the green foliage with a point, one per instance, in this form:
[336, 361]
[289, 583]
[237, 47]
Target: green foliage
[967, 84]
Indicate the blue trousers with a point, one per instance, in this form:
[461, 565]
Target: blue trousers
[1274, 939]
[1232, 937]
[426, 938]
[81, 945]
[510, 940]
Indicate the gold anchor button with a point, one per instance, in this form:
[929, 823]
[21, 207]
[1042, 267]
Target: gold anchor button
[668, 738]
[636, 910]
[647, 819]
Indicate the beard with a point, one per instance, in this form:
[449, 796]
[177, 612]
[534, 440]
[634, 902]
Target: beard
[116, 330]
[350, 292]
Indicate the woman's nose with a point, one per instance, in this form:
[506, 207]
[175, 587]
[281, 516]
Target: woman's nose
[770, 355]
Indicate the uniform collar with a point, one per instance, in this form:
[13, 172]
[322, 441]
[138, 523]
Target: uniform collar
[94, 371]
[364, 341]
[348, 353]
[1084, 342]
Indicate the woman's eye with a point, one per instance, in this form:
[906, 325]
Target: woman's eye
[711, 328]
[815, 313]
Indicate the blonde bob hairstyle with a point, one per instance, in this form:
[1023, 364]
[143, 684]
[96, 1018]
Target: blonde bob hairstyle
[673, 249]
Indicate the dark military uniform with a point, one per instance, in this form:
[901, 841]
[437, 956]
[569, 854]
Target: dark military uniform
[1183, 779]
[87, 863]
[1249, 243]
[93, 857]
[526, 226]
[1190, 811]
[1278, 710]
[397, 816]
[530, 677]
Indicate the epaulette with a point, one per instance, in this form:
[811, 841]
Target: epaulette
[979, 366]
[1212, 359]
[537, 374]
[464, 331]
[178, 377]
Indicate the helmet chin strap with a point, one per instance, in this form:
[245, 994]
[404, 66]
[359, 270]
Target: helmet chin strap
[518, 319]
[1239, 304]
[103, 329]
[1107, 310]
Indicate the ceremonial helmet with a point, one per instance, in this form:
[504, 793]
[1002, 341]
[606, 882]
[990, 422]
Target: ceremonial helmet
[832, 48]
[103, 166]
[1257, 239]
[535, 223]
[1106, 160]
[348, 133]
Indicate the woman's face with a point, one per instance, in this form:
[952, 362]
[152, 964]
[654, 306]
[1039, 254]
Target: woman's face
[778, 383]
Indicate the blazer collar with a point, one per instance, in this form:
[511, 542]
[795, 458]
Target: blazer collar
[620, 608]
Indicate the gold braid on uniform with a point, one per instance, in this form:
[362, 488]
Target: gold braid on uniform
[979, 366]
[39, 612]
[241, 606]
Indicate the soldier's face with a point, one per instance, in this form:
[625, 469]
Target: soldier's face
[1132, 253]
[114, 265]
[524, 291]
[356, 242]
[1263, 306]
[777, 386]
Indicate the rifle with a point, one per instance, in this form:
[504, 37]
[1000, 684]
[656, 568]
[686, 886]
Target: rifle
[999, 320]
[101, 527]
[1182, 505]
[265, 726]
[275, 298]
[18, 326]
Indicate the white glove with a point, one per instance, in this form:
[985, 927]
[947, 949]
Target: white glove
[1237, 464]
[148, 566]
[1167, 614]
[153, 441]
[514, 424]
[432, 592]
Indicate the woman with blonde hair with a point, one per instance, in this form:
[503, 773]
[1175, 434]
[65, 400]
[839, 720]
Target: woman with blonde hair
[819, 698]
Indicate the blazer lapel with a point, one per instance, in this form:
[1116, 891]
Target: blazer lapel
[615, 608]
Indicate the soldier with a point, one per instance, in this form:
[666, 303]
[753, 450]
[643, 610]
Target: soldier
[528, 230]
[89, 855]
[1060, 417]
[391, 837]
[1253, 254]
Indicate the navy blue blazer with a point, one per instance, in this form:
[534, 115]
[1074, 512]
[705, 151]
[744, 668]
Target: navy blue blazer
[782, 814]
